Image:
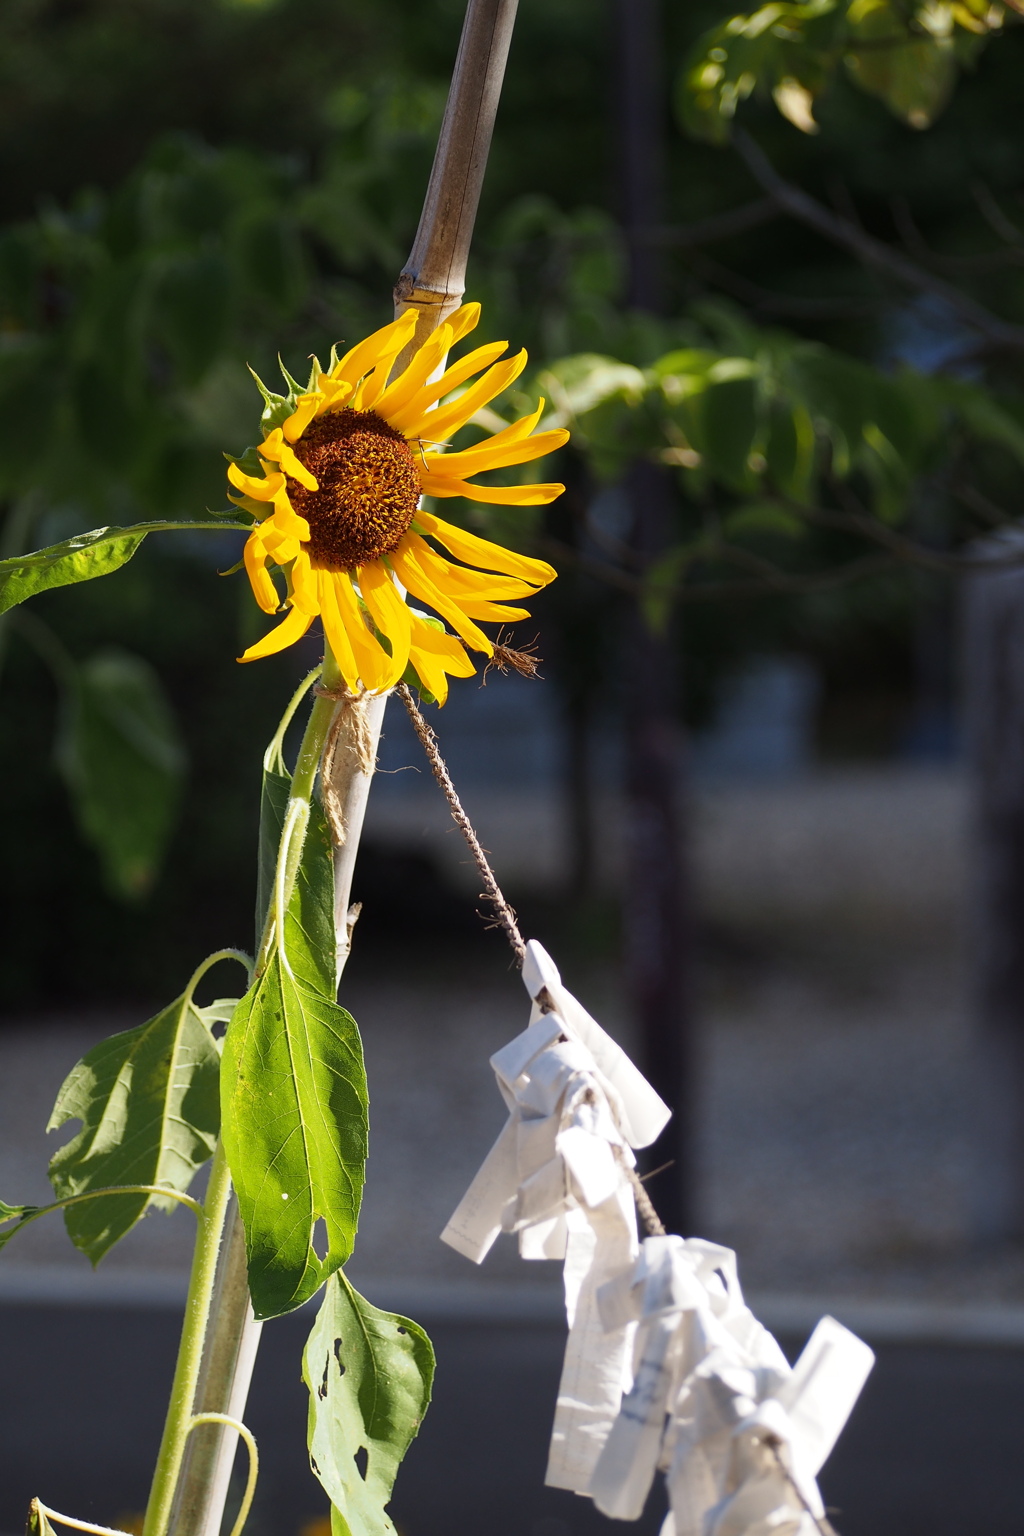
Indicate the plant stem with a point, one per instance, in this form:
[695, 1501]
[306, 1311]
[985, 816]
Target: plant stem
[432, 282]
[190, 1352]
[231, 1339]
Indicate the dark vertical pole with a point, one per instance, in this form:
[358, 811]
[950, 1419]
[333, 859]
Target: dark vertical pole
[656, 927]
[641, 109]
[993, 682]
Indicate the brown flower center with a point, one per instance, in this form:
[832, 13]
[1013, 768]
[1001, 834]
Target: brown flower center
[368, 492]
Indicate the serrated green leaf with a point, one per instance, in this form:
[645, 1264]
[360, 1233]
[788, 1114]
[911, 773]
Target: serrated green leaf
[294, 1108]
[311, 935]
[218, 1012]
[148, 1103]
[120, 754]
[294, 1088]
[77, 559]
[369, 1375]
[83, 557]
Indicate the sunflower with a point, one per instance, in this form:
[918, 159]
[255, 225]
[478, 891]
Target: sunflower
[336, 484]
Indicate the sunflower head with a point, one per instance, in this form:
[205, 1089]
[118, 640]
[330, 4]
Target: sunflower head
[336, 486]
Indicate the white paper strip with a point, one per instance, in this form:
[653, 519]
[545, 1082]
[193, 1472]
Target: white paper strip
[557, 1177]
[714, 1400]
[644, 1115]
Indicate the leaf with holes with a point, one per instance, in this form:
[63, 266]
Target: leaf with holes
[369, 1375]
[294, 1109]
[148, 1103]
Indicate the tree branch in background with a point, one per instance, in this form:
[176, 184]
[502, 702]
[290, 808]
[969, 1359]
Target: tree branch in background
[770, 300]
[874, 253]
[719, 226]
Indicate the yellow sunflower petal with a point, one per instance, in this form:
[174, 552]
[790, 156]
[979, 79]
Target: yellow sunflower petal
[492, 613]
[483, 586]
[259, 490]
[389, 613]
[305, 409]
[418, 419]
[285, 519]
[463, 320]
[493, 455]
[461, 579]
[335, 630]
[362, 357]
[513, 433]
[263, 590]
[497, 495]
[292, 628]
[374, 384]
[305, 592]
[375, 665]
[282, 546]
[416, 579]
[332, 394]
[435, 654]
[481, 552]
[409, 384]
[277, 450]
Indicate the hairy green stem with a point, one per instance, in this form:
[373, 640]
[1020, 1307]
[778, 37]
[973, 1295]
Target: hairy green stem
[190, 1352]
[33, 1213]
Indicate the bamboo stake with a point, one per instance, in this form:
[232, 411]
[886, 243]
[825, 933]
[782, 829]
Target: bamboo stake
[433, 281]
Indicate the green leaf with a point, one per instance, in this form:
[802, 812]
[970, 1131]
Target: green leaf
[914, 74]
[310, 927]
[369, 1375]
[83, 557]
[294, 1108]
[294, 1102]
[764, 517]
[16, 1213]
[729, 429]
[148, 1103]
[790, 449]
[9, 1212]
[76, 559]
[120, 754]
[577, 384]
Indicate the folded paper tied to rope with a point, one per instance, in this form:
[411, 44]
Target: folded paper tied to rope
[665, 1365]
[557, 1177]
[714, 1402]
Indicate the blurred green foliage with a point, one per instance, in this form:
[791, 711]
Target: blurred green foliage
[191, 186]
[907, 54]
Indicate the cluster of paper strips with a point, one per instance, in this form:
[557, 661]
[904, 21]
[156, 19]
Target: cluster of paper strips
[740, 1434]
[665, 1366]
[556, 1176]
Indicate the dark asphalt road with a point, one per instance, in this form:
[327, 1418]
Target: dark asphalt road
[935, 1448]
